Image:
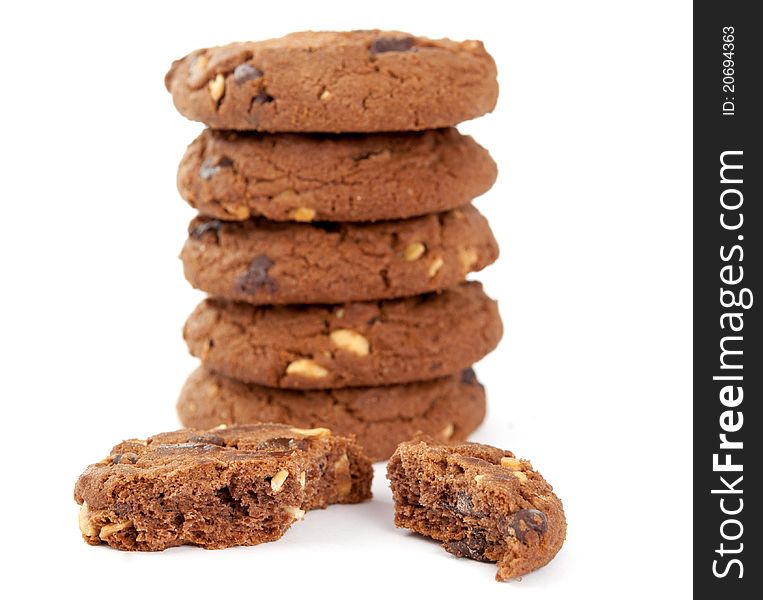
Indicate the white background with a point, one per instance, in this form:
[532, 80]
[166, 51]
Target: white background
[592, 135]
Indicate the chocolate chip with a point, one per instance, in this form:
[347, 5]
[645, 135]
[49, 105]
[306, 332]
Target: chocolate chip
[202, 228]
[209, 167]
[327, 226]
[300, 444]
[256, 277]
[282, 444]
[388, 44]
[463, 506]
[468, 376]
[262, 97]
[532, 519]
[245, 72]
[473, 546]
[207, 438]
[373, 320]
[175, 448]
[122, 509]
[124, 458]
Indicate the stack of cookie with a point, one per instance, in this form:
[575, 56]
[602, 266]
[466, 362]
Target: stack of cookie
[336, 232]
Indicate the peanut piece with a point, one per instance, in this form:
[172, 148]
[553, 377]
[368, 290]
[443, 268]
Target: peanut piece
[511, 463]
[85, 526]
[447, 431]
[414, 251]
[217, 87]
[471, 45]
[436, 265]
[303, 214]
[319, 432]
[277, 481]
[344, 479]
[205, 349]
[239, 211]
[517, 469]
[304, 367]
[197, 69]
[468, 258]
[351, 341]
[113, 528]
[294, 512]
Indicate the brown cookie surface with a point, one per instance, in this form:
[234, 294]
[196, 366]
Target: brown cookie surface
[262, 262]
[479, 501]
[291, 177]
[240, 485]
[354, 81]
[353, 344]
[449, 408]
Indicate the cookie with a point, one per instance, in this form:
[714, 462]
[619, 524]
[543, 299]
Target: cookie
[353, 344]
[449, 408]
[240, 485]
[354, 81]
[262, 262]
[480, 502]
[373, 177]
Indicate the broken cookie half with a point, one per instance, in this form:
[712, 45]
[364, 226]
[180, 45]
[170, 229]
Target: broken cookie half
[240, 485]
[480, 502]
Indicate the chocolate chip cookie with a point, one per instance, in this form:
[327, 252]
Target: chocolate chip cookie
[448, 408]
[292, 177]
[352, 344]
[263, 262]
[480, 502]
[240, 485]
[354, 81]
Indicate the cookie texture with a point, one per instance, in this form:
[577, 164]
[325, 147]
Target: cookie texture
[481, 502]
[291, 177]
[355, 81]
[448, 408]
[262, 262]
[353, 344]
[240, 485]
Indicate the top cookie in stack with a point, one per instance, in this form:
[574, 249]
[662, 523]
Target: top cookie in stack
[332, 181]
[338, 82]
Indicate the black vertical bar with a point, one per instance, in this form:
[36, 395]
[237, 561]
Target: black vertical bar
[728, 226]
